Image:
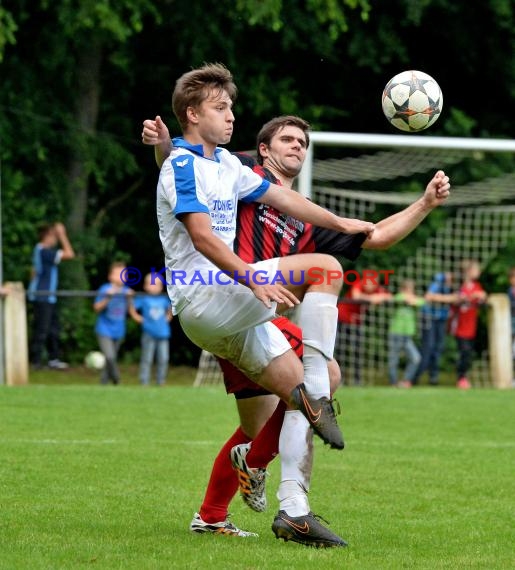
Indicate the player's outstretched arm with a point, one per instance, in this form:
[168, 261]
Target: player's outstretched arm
[198, 226]
[155, 133]
[289, 202]
[395, 228]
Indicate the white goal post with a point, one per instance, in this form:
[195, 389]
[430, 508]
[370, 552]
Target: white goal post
[485, 207]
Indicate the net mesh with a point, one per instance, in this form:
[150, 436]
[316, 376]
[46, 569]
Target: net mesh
[209, 372]
[479, 223]
[384, 165]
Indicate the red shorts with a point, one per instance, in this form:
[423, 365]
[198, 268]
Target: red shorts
[237, 383]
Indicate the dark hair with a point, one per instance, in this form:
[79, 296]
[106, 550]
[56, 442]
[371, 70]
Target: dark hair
[195, 86]
[44, 229]
[270, 129]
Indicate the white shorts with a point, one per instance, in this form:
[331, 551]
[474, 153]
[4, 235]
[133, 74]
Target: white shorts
[230, 322]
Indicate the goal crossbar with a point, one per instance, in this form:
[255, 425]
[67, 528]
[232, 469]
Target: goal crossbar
[393, 141]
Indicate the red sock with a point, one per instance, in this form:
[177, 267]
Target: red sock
[223, 483]
[265, 445]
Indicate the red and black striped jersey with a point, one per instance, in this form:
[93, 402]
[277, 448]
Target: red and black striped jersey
[262, 232]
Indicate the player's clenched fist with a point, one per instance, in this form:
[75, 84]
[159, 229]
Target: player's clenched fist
[155, 132]
[438, 189]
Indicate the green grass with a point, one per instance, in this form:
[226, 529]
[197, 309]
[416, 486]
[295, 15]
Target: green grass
[106, 477]
[177, 376]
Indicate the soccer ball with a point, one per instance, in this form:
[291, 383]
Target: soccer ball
[95, 360]
[412, 101]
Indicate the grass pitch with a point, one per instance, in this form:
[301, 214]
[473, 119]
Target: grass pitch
[106, 477]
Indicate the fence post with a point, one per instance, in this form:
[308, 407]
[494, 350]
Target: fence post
[499, 340]
[15, 335]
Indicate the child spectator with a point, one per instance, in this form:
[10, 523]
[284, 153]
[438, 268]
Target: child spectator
[348, 348]
[154, 318]
[52, 248]
[435, 313]
[403, 327]
[112, 304]
[464, 319]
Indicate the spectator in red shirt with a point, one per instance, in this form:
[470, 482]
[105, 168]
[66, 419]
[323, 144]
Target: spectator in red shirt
[349, 350]
[464, 319]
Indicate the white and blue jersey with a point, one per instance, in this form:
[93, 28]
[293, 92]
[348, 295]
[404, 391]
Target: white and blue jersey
[44, 262]
[153, 309]
[192, 183]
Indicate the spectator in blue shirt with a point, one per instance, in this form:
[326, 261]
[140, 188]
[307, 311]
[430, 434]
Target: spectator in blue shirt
[112, 305]
[153, 312]
[52, 248]
[435, 313]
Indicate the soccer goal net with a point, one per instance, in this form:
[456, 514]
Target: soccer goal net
[374, 176]
[382, 174]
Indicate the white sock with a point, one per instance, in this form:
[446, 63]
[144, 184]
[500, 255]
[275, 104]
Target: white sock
[318, 318]
[293, 499]
[296, 453]
[316, 375]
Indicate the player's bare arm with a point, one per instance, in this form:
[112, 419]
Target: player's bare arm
[155, 133]
[198, 226]
[395, 228]
[289, 202]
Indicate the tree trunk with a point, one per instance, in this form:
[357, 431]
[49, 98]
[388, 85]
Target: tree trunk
[76, 311]
[87, 98]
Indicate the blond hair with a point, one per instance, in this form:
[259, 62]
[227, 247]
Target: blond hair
[407, 284]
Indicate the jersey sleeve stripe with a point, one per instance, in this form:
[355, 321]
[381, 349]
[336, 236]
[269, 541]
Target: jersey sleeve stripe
[258, 192]
[185, 187]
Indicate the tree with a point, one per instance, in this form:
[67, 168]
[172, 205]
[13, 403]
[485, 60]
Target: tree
[79, 77]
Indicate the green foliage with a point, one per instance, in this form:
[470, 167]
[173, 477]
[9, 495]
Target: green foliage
[326, 60]
[275, 14]
[495, 276]
[259, 12]
[330, 13]
[459, 124]
[117, 23]
[8, 29]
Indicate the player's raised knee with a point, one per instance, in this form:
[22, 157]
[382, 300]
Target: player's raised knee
[333, 273]
[334, 277]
